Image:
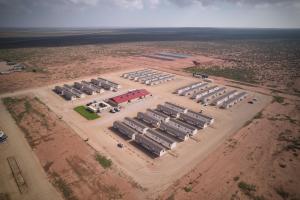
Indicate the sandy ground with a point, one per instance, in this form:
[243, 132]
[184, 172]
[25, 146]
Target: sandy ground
[58, 64]
[263, 154]
[277, 70]
[153, 174]
[33, 173]
[74, 171]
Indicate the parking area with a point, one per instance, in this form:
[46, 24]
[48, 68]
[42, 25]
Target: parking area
[155, 172]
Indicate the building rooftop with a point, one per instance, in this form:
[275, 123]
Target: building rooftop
[130, 95]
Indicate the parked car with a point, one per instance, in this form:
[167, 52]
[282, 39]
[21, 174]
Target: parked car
[120, 145]
[3, 137]
[88, 104]
[112, 110]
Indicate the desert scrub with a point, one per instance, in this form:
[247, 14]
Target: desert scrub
[278, 99]
[103, 161]
[188, 188]
[63, 187]
[281, 192]
[234, 73]
[247, 188]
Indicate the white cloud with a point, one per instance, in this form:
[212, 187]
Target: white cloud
[137, 4]
[85, 2]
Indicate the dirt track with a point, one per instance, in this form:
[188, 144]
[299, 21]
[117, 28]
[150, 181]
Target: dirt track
[33, 173]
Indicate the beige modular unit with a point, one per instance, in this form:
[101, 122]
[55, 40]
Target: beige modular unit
[59, 90]
[224, 98]
[211, 95]
[148, 119]
[136, 125]
[174, 131]
[194, 90]
[205, 92]
[68, 95]
[158, 115]
[168, 111]
[184, 127]
[76, 92]
[209, 120]
[234, 100]
[161, 139]
[150, 145]
[188, 87]
[125, 130]
[193, 121]
[176, 107]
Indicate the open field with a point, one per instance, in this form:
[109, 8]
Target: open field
[35, 178]
[153, 174]
[250, 152]
[71, 165]
[135, 162]
[252, 61]
[263, 155]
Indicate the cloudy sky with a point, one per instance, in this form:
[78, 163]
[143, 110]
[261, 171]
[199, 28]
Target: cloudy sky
[150, 13]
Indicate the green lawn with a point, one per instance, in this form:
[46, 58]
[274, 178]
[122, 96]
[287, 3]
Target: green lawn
[85, 113]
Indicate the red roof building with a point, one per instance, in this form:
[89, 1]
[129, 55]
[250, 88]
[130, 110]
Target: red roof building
[129, 96]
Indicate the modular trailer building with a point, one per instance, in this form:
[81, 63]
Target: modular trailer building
[193, 121]
[73, 90]
[125, 130]
[193, 85]
[129, 97]
[158, 115]
[234, 100]
[174, 131]
[194, 90]
[200, 116]
[148, 119]
[168, 111]
[136, 125]
[150, 145]
[176, 107]
[59, 90]
[205, 92]
[96, 88]
[126, 75]
[209, 96]
[161, 139]
[224, 98]
[84, 88]
[68, 95]
[184, 127]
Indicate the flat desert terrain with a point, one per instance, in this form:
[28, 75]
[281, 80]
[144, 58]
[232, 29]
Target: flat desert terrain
[251, 151]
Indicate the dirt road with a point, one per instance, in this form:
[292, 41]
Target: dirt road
[37, 182]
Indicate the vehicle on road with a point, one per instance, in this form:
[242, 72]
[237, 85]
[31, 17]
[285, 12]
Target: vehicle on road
[3, 137]
[120, 145]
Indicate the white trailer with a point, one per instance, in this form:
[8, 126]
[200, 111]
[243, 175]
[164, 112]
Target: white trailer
[168, 111]
[193, 121]
[183, 126]
[209, 120]
[150, 145]
[161, 139]
[125, 130]
[158, 115]
[136, 125]
[174, 131]
[148, 119]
